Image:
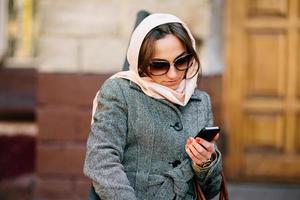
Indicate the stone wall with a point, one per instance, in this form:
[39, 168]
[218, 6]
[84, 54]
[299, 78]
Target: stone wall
[92, 35]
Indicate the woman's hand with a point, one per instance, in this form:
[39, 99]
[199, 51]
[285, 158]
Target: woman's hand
[199, 149]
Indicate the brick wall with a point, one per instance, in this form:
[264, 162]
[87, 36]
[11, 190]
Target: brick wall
[17, 93]
[18, 132]
[64, 113]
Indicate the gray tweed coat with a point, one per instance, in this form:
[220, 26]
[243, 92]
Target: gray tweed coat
[136, 146]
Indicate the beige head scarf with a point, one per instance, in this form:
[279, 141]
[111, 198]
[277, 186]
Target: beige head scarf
[186, 88]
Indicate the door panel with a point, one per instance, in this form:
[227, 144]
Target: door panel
[272, 167]
[267, 132]
[262, 90]
[268, 7]
[266, 63]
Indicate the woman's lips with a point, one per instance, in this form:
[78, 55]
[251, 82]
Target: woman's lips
[170, 83]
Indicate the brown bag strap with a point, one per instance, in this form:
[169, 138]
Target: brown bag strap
[199, 192]
[223, 192]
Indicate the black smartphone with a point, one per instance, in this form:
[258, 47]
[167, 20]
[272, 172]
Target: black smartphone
[208, 133]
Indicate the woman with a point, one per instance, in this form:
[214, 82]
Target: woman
[141, 144]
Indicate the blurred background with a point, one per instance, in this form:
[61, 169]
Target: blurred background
[54, 56]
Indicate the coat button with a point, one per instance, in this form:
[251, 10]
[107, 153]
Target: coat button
[175, 163]
[177, 126]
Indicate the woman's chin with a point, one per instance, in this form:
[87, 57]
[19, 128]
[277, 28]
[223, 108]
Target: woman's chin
[173, 87]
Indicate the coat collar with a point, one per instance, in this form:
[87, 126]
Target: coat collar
[195, 96]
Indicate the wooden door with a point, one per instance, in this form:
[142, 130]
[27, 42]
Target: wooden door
[262, 89]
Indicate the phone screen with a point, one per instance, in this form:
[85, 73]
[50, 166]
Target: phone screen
[208, 133]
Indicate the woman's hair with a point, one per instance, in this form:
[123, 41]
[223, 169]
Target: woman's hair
[159, 32]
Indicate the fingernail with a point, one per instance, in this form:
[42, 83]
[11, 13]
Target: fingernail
[189, 141]
[198, 139]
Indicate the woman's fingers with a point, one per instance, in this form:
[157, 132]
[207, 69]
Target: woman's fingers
[196, 159]
[209, 146]
[199, 150]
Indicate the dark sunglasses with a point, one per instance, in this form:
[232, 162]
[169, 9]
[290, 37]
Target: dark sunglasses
[160, 67]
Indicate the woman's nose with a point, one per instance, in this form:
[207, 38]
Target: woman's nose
[173, 72]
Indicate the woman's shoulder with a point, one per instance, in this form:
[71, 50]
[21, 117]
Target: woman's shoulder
[204, 96]
[113, 88]
[114, 84]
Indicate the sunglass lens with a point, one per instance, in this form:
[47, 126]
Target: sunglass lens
[159, 67]
[183, 62]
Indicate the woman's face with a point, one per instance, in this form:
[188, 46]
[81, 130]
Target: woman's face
[169, 48]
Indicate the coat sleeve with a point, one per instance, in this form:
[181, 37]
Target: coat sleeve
[210, 178]
[106, 143]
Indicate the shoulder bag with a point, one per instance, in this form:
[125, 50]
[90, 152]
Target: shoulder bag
[223, 192]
